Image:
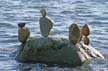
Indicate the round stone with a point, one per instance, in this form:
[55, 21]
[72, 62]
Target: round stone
[85, 30]
[21, 25]
[86, 40]
[23, 34]
[74, 33]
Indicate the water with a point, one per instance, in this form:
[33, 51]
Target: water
[64, 13]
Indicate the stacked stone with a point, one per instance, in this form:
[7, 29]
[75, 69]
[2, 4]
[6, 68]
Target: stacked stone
[86, 31]
[74, 34]
[23, 33]
[46, 24]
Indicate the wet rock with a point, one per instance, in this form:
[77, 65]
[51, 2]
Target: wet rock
[46, 24]
[92, 52]
[56, 50]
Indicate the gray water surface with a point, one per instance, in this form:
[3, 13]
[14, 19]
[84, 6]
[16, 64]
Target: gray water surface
[64, 13]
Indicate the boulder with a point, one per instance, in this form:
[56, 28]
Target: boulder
[56, 50]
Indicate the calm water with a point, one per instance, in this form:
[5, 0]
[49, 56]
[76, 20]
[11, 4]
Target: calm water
[64, 13]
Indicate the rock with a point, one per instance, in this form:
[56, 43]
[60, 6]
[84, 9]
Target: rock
[43, 12]
[86, 40]
[85, 30]
[74, 33]
[55, 50]
[92, 52]
[23, 33]
[46, 24]
[21, 25]
[80, 37]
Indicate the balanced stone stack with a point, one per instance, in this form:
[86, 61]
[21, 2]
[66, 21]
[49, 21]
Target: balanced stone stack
[23, 33]
[86, 31]
[46, 24]
[55, 50]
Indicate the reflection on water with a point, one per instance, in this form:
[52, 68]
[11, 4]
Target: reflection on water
[64, 13]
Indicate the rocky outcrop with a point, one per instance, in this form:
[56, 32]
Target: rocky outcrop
[56, 50]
